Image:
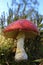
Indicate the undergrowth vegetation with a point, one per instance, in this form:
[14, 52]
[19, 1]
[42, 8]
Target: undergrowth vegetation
[33, 48]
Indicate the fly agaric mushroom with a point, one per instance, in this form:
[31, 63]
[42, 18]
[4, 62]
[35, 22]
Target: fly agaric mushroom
[20, 30]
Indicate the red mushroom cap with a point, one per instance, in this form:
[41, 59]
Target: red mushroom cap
[21, 25]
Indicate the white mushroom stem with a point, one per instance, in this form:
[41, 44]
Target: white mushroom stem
[20, 52]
